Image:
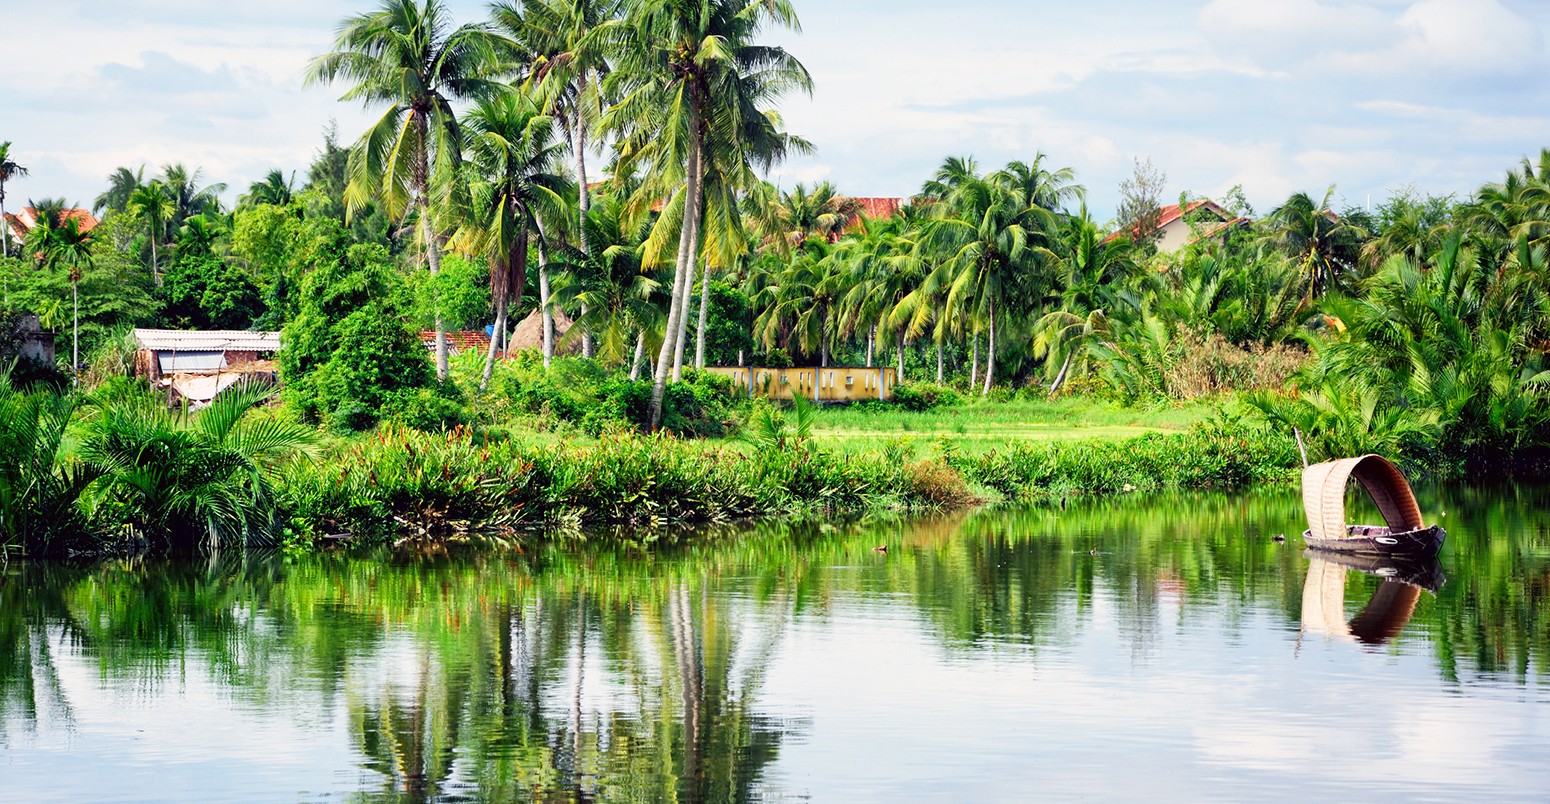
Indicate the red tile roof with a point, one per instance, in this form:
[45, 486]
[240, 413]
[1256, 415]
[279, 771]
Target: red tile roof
[1171, 213]
[22, 222]
[458, 341]
[873, 209]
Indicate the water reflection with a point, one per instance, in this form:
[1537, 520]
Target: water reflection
[788, 661]
[1388, 610]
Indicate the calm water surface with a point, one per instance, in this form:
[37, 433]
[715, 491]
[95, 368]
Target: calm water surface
[1166, 649]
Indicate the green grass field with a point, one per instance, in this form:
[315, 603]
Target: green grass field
[983, 426]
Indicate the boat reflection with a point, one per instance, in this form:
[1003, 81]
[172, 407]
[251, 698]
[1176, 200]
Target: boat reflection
[1386, 613]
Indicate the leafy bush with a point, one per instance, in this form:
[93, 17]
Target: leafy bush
[583, 393]
[400, 484]
[1207, 457]
[921, 397]
[432, 409]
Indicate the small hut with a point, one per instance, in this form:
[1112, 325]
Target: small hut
[529, 334]
[198, 365]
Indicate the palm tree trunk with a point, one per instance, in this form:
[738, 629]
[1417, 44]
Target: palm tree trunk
[699, 335]
[941, 364]
[75, 331]
[500, 327]
[686, 245]
[974, 361]
[901, 356]
[871, 344]
[584, 203]
[432, 248]
[155, 271]
[640, 355]
[1061, 377]
[990, 351]
[5, 226]
[543, 305]
[683, 320]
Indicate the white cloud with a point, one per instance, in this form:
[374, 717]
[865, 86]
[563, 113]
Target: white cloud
[1426, 39]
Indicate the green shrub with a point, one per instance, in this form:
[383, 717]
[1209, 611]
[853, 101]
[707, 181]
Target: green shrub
[922, 397]
[1202, 458]
[431, 409]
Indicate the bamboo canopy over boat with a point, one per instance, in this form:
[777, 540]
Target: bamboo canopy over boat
[1323, 495]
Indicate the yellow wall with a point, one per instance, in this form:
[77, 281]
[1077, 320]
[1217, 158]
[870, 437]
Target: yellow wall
[835, 384]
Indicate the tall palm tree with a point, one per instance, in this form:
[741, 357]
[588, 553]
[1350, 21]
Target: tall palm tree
[155, 204]
[688, 74]
[990, 238]
[1323, 243]
[122, 184]
[406, 56]
[57, 241]
[804, 300]
[785, 220]
[1094, 269]
[618, 296]
[274, 189]
[557, 52]
[513, 161]
[9, 170]
[188, 197]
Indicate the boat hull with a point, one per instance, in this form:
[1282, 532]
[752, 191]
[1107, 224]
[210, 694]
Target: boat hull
[1375, 540]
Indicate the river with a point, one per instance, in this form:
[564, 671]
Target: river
[1165, 648]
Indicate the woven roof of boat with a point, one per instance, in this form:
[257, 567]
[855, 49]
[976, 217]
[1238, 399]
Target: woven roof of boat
[1323, 495]
[215, 340]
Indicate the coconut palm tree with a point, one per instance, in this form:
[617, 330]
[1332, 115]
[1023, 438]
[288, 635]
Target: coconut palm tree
[406, 56]
[57, 240]
[155, 204]
[990, 238]
[691, 82]
[785, 220]
[1094, 267]
[803, 303]
[122, 184]
[619, 298]
[558, 53]
[9, 170]
[274, 189]
[188, 197]
[1323, 243]
[513, 161]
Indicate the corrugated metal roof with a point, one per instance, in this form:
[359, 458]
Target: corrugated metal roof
[208, 340]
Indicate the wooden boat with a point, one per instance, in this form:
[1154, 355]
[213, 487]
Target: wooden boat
[1403, 533]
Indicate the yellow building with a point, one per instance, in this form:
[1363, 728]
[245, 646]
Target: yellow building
[833, 384]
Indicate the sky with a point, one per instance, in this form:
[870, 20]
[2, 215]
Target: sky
[1280, 96]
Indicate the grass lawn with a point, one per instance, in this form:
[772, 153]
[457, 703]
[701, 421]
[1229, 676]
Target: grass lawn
[983, 426]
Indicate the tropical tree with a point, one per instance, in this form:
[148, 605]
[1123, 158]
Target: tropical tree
[1323, 243]
[993, 234]
[691, 81]
[57, 241]
[184, 478]
[9, 170]
[618, 296]
[189, 198]
[406, 56]
[555, 48]
[512, 166]
[274, 189]
[803, 301]
[1094, 268]
[783, 221]
[122, 184]
[155, 205]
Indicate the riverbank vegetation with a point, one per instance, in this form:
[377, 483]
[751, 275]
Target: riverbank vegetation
[1013, 316]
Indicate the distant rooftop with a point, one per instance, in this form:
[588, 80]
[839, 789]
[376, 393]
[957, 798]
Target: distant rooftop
[215, 340]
